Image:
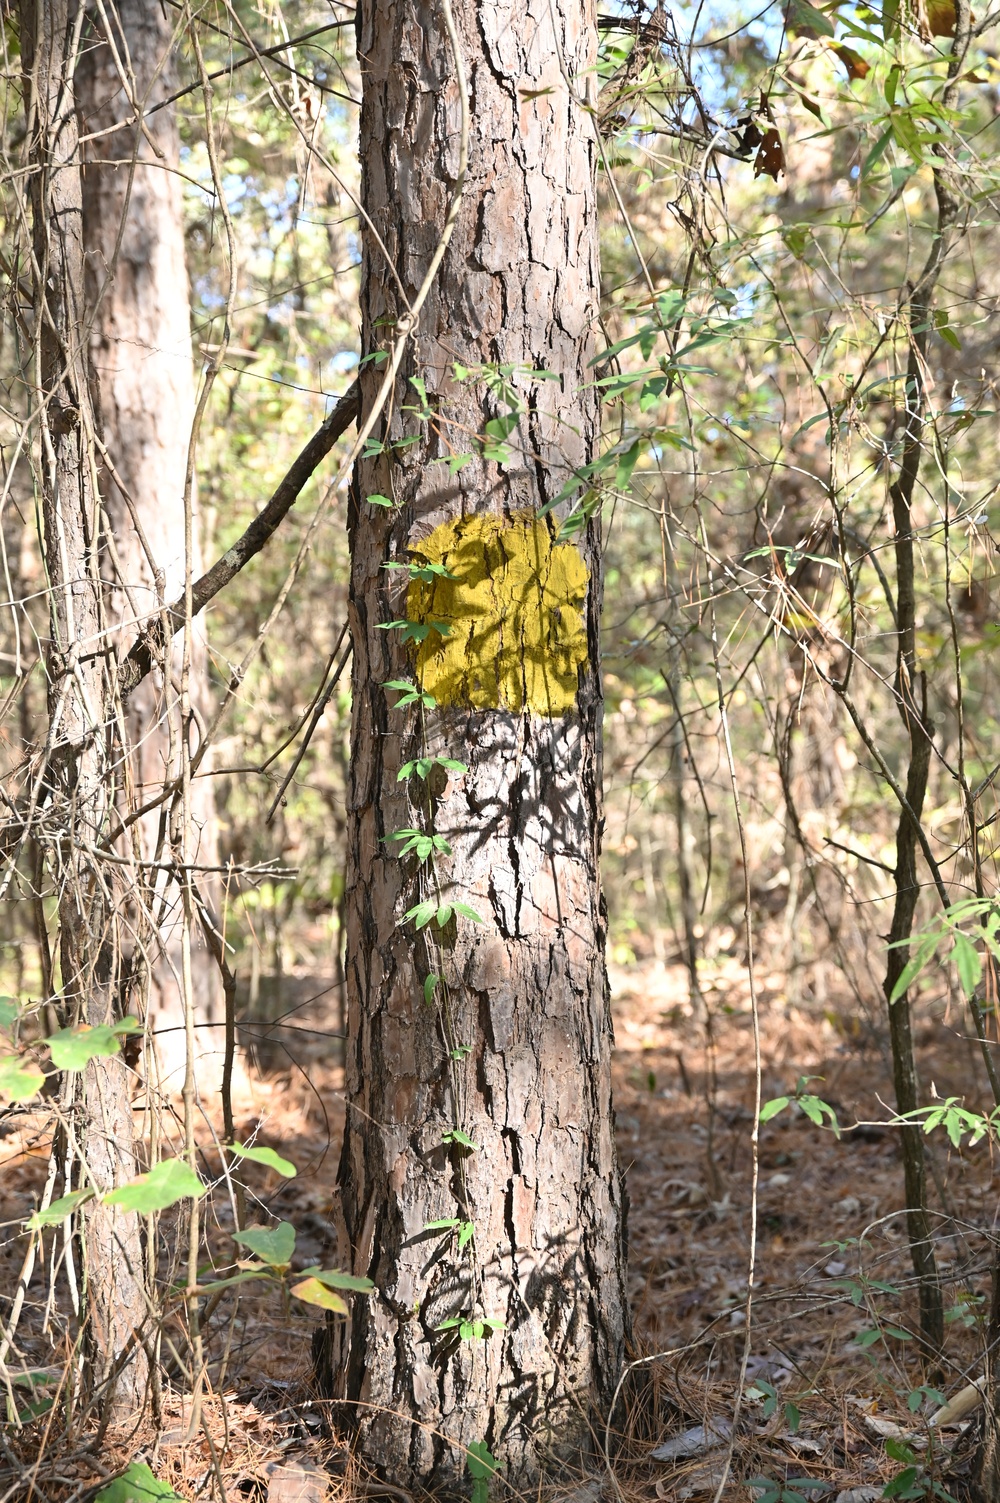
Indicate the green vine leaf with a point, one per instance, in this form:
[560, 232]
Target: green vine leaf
[57, 1212]
[74, 1048]
[334, 1279]
[409, 694]
[313, 1292]
[266, 1156]
[20, 1079]
[163, 1186]
[274, 1244]
[137, 1485]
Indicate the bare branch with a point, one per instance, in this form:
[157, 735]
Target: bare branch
[145, 652]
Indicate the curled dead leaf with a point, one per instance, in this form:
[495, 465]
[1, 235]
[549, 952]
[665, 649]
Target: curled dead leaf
[852, 61]
[770, 158]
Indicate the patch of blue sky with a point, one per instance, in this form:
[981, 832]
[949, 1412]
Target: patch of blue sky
[343, 361]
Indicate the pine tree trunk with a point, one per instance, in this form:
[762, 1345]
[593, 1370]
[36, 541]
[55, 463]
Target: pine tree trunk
[511, 1047]
[82, 761]
[137, 296]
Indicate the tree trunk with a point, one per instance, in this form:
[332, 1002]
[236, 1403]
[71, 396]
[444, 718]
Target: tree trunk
[509, 1050]
[82, 751]
[137, 296]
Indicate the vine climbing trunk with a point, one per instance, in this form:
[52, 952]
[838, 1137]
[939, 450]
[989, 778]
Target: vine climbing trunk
[911, 699]
[479, 1183]
[140, 346]
[81, 745]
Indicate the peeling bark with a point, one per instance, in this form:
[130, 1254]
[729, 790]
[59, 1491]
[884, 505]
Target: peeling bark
[523, 1001]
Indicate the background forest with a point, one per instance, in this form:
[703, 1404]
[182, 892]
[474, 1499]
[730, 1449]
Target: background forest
[796, 494]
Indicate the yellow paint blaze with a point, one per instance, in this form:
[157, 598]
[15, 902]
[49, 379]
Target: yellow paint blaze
[514, 607]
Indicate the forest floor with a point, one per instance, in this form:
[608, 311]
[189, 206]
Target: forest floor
[833, 1392]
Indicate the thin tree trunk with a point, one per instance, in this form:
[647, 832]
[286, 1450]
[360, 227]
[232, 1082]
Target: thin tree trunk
[510, 1049]
[911, 695]
[82, 763]
[137, 294]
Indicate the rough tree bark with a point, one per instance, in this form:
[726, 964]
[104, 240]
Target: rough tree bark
[137, 295]
[510, 1048]
[82, 744]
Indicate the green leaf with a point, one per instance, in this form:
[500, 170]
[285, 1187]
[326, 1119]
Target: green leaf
[904, 128]
[626, 464]
[274, 1244]
[312, 1292]
[876, 153]
[378, 500]
[266, 1156]
[137, 1485]
[891, 84]
[481, 1462]
[459, 1136]
[431, 984]
[466, 1233]
[805, 17]
[967, 964]
[74, 1048]
[410, 694]
[244, 1276]
[421, 913]
[465, 911]
[772, 1108]
[444, 914]
[334, 1279]
[10, 1011]
[163, 1186]
[20, 1079]
[926, 946]
[817, 1110]
[58, 1210]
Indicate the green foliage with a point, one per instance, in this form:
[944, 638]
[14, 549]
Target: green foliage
[794, 1490]
[422, 913]
[334, 1279]
[74, 1048]
[20, 1079]
[29, 1397]
[415, 631]
[266, 1156]
[137, 1485]
[817, 1110]
[945, 926]
[162, 1187]
[469, 1327]
[425, 846]
[914, 1481]
[421, 767]
[56, 1213]
[313, 1291]
[274, 1245]
[482, 1466]
[409, 694]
